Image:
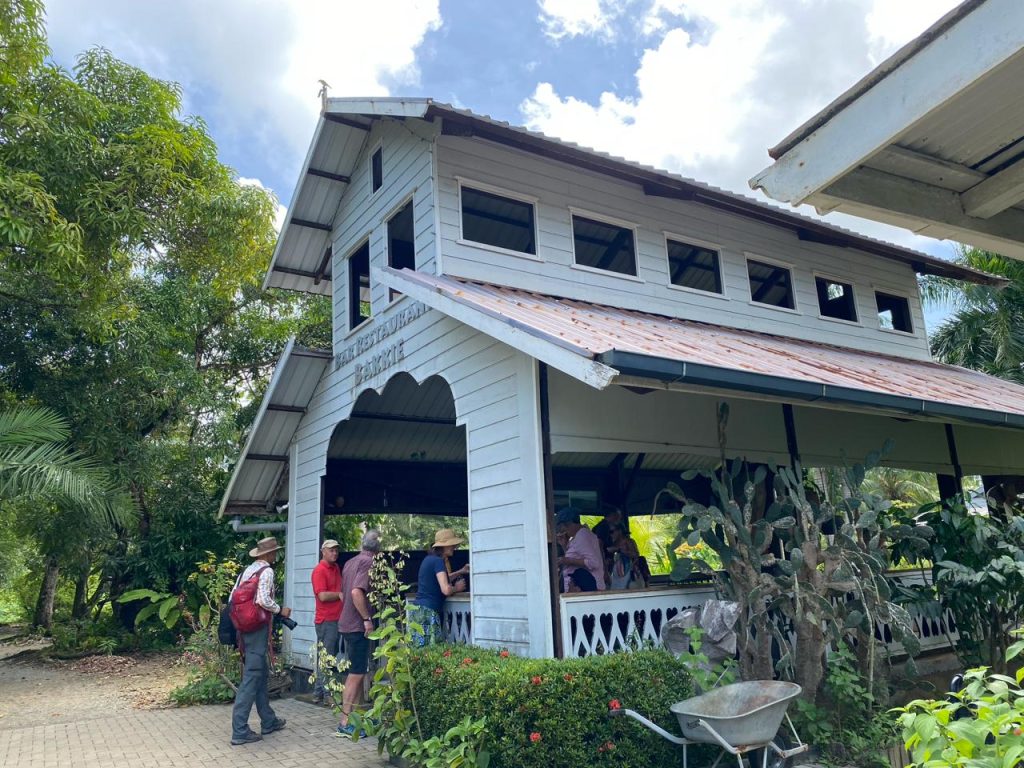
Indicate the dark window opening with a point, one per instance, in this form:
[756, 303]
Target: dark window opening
[499, 221]
[604, 246]
[893, 312]
[359, 286]
[693, 266]
[836, 299]
[377, 168]
[401, 242]
[770, 285]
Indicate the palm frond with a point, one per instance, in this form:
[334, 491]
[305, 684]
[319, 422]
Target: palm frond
[35, 462]
[20, 426]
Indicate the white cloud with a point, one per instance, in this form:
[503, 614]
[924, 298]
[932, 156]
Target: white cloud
[726, 79]
[571, 18]
[256, 61]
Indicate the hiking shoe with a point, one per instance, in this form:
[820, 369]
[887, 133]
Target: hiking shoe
[277, 725]
[350, 731]
[248, 738]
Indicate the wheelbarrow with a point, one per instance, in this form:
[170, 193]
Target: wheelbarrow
[738, 718]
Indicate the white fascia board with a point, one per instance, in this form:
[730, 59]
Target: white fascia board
[382, 107]
[294, 199]
[575, 364]
[976, 45]
[275, 380]
[922, 208]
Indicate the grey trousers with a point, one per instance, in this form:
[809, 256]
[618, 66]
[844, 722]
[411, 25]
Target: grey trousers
[326, 635]
[253, 688]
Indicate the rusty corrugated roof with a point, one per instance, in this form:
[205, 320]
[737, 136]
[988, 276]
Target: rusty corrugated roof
[594, 331]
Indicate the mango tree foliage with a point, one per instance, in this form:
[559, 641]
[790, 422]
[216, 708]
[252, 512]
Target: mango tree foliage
[131, 261]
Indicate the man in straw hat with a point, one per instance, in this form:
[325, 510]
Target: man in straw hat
[256, 669]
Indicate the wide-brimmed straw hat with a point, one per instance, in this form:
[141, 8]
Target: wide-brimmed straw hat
[265, 547]
[446, 538]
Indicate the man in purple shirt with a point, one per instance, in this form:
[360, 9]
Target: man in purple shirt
[583, 563]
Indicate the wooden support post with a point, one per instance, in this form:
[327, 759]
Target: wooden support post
[549, 503]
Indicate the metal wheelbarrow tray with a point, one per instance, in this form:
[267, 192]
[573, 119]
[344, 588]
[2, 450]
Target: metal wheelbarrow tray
[738, 718]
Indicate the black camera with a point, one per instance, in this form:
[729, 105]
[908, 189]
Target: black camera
[287, 621]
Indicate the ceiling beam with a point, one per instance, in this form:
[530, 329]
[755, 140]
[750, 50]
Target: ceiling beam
[292, 271]
[925, 168]
[286, 408]
[937, 212]
[340, 120]
[311, 224]
[264, 457]
[997, 193]
[328, 175]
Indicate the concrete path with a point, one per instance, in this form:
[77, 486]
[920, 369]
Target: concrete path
[190, 737]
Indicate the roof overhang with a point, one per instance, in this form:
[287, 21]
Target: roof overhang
[603, 346]
[302, 257]
[931, 140]
[256, 485]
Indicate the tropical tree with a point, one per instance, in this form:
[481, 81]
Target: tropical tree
[35, 461]
[47, 481]
[985, 331]
[130, 302]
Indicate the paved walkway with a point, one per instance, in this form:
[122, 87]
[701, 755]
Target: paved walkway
[189, 737]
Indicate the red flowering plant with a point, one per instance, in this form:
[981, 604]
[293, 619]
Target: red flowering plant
[553, 713]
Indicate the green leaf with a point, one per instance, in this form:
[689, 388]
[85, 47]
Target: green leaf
[139, 594]
[166, 606]
[204, 616]
[146, 612]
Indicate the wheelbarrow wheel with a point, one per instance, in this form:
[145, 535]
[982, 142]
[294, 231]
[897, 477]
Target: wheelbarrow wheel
[756, 759]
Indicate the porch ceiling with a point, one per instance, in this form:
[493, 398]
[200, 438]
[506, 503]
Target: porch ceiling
[629, 347]
[257, 479]
[931, 140]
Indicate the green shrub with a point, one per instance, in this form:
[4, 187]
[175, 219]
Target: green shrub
[554, 712]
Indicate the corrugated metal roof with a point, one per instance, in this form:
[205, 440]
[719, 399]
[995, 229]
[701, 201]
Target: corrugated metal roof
[257, 481]
[335, 148]
[593, 330]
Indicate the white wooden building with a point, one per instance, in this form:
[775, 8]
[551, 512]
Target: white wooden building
[516, 317]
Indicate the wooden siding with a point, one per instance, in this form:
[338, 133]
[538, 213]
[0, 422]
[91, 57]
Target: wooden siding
[407, 158]
[560, 187]
[495, 393]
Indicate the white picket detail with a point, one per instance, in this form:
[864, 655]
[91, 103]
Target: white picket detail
[456, 620]
[605, 622]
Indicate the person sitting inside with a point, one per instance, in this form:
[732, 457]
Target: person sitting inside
[626, 569]
[582, 564]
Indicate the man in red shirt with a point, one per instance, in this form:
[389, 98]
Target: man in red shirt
[326, 580]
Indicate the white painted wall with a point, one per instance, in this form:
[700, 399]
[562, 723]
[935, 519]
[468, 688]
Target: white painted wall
[408, 163]
[494, 389]
[559, 187]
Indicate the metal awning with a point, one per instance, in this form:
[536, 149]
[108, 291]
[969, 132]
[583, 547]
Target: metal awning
[257, 483]
[603, 345]
[302, 257]
[931, 140]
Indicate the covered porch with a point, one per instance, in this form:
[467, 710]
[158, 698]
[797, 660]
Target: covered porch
[638, 403]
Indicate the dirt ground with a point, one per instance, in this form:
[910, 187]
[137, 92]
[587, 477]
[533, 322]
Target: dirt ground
[36, 690]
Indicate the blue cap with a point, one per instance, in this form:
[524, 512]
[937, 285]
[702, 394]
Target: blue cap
[567, 515]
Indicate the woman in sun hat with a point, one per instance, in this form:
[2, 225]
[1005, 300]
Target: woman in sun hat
[436, 583]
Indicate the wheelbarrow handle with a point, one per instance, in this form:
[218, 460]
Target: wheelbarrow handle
[652, 726]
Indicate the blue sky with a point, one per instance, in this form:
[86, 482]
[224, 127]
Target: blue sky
[699, 87]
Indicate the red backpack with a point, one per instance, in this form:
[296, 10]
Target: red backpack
[245, 614]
